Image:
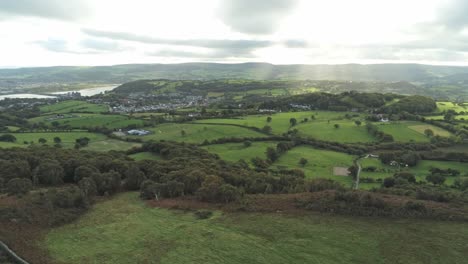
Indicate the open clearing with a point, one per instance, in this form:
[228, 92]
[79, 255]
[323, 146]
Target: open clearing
[78, 120]
[280, 121]
[348, 131]
[125, 230]
[445, 106]
[68, 138]
[196, 133]
[410, 131]
[145, 156]
[320, 162]
[74, 106]
[236, 151]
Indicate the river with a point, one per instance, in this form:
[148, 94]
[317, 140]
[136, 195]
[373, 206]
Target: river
[84, 92]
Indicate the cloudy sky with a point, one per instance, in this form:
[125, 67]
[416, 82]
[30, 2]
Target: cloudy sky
[107, 32]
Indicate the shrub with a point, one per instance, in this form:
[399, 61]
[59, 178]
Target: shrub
[19, 186]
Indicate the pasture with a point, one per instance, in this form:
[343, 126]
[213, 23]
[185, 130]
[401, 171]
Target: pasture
[279, 121]
[72, 106]
[123, 229]
[347, 132]
[410, 131]
[320, 162]
[420, 171]
[79, 120]
[196, 133]
[68, 138]
[236, 151]
[445, 106]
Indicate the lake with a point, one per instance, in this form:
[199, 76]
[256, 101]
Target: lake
[92, 91]
[39, 96]
[84, 92]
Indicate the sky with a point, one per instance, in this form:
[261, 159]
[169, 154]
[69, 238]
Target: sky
[109, 32]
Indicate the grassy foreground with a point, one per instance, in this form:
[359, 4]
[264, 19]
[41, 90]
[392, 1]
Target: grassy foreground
[124, 230]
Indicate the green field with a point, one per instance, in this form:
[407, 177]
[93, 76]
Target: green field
[77, 120]
[110, 144]
[280, 121]
[420, 171]
[320, 162]
[445, 106]
[348, 131]
[410, 131]
[196, 133]
[236, 151]
[72, 106]
[68, 138]
[125, 230]
[145, 156]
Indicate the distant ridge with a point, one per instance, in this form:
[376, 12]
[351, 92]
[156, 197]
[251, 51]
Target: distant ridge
[251, 70]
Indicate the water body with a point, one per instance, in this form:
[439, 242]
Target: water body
[38, 96]
[92, 91]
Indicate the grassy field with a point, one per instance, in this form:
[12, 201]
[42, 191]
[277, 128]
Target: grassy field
[145, 156]
[236, 151]
[410, 131]
[445, 106]
[197, 133]
[68, 138]
[125, 230]
[72, 106]
[110, 144]
[420, 171]
[77, 120]
[320, 162]
[280, 121]
[348, 131]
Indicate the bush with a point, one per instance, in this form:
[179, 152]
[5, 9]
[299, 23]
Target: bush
[19, 186]
[203, 214]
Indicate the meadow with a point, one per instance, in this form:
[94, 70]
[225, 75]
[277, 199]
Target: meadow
[320, 162]
[72, 106]
[68, 138]
[279, 121]
[79, 120]
[420, 171]
[347, 132]
[410, 131]
[196, 133]
[445, 106]
[236, 151]
[124, 229]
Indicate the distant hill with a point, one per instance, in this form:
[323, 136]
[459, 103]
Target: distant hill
[449, 82]
[259, 71]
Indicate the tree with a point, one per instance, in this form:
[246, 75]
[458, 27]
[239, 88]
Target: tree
[84, 171]
[435, 179]
[409, 177]
[19, 186]
[303, 162]
[49, 172]
[267, 129]
[7, 138]
[229, 193]
[272, 154]
[42, 140]
[293, 121]
[429, 133]
[82, 142]
[388, 182]
[183, 133]
[336, 126]
[357, 122]
[268, 119]
[247, 143]
[133, 178]
[57, 140]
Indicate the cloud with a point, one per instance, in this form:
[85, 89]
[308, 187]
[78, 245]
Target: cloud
[209, 55]
[101, 45]
[51, 9]
[255, 17]
[453, 14]
[86, 46]
[241, 44]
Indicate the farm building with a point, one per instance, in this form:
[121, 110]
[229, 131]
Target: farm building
[138, 132]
